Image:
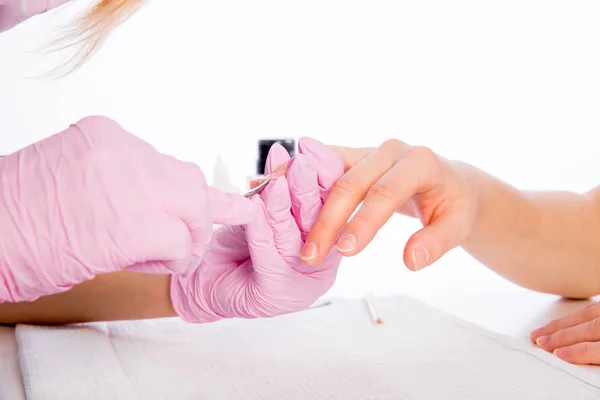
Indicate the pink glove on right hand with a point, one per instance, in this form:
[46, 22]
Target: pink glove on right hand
[255, 270]
[95, 199]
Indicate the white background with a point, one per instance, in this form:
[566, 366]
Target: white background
[512, 87]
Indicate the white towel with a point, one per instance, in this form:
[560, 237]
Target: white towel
[332, 352]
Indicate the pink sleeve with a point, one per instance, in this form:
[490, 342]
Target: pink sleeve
[13, 12]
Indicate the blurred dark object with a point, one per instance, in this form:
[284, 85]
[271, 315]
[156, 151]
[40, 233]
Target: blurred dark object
[263, 151]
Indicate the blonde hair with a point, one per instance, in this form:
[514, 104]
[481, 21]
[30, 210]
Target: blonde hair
[91, 31]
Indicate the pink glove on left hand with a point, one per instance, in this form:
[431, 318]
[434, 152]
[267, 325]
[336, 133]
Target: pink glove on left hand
[13, 12]
[255, 270]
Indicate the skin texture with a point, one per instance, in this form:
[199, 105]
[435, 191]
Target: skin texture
[545, 241]
[122, 295]
[574, 338]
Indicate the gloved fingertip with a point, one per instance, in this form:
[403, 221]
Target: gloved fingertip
[329, 165]
[277, 157]
[305, 143]
[229, 208]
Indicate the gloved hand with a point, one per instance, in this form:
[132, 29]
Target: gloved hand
[13, 12]
[255, 270]
[95, 199]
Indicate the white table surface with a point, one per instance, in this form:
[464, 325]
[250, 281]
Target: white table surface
[10, 374]
[468, 291]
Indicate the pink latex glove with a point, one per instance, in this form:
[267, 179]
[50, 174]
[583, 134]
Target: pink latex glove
[255, 270]
[95, 199]
[13, 12]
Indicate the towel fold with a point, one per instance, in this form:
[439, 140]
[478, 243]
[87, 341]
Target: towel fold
[331, 352]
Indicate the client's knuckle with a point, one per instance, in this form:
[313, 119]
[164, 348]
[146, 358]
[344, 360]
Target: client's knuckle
[426, 164]
[349, 184]
[594, 327]
[423, 154]
[392, 145]
[583, 348]
[384, 191]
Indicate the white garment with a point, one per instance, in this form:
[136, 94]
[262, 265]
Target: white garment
[332, 352]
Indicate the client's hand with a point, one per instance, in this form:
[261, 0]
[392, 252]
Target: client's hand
[574, 338]
[395, 177]
[256, 270]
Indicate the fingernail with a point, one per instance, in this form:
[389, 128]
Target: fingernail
[309, 251]
[281, 170]
[420, 256]
[561, 353]
[542, 341]
[265, 178]
[346, 243]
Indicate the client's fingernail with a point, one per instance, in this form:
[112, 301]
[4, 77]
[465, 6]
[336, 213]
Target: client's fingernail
[281, 170]
[346, 243]
[265, 178]
[561, 353]
[309, 251]
[542, 341]
[420, 256]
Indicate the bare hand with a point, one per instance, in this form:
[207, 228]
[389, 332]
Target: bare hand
[574, 338]
[395, 177]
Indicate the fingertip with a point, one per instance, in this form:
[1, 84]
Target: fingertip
[535, 334]
[305, 193]
[318, 244]
[562, 353]
[329, 165]
[306, 143]
[310, 253]
[229, 208]
[277, 157]
[347, 245]
[299, 168]
[417, 255]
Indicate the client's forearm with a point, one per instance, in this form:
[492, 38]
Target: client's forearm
[117, 296]
[545, 241]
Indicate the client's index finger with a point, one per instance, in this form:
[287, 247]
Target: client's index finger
[333, 217]
[351, 155]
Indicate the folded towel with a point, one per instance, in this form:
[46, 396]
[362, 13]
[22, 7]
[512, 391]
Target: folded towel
[332, 352]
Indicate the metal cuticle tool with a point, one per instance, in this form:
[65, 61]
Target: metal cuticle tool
[264, 182]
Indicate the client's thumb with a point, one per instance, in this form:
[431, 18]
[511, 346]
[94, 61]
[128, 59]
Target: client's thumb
[433, 241]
